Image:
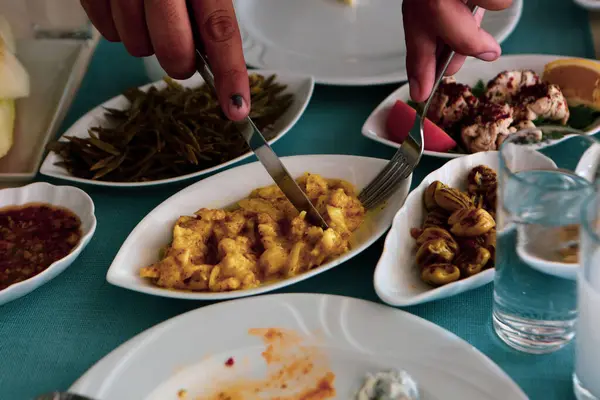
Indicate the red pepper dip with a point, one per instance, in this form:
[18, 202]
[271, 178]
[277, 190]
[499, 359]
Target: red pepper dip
[32, 237]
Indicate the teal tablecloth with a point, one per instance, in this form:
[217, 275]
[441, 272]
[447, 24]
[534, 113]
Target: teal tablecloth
[53, 335]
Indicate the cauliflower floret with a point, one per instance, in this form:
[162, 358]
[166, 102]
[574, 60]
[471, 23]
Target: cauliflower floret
[507, 84]
[451, 103]
[488, 122]
[542, 101]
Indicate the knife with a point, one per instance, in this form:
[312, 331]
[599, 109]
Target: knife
[257, 142]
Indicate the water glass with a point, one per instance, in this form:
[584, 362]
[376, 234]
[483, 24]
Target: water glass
[586, 379]
[541, 190]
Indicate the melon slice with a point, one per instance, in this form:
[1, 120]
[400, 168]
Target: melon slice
[7, 125]
[578, 79]
[14, 79]
[401, 119]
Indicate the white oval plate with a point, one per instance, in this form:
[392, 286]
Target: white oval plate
[397, 280]
[470, 74]
[356, 336]
[335, 43]
[142, 246]
[72, 198]
[300, 86]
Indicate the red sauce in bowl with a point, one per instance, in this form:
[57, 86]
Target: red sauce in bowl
[32, 237]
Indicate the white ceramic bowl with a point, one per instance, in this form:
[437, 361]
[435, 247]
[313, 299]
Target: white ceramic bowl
[141, 248]
[473, 71]
[72, 198]
[301, 86]
[397, 279]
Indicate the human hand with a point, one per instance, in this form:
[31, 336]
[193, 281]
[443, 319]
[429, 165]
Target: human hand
[162, 27]
[428, 24]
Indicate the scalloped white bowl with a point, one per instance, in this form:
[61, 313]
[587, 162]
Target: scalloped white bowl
[397, 279]
[68, 197]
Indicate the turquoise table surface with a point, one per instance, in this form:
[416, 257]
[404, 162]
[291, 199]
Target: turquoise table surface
[52, 336]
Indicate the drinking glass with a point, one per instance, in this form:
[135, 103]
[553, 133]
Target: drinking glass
[541, 189]
[586, 379]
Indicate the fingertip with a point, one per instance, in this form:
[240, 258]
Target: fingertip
[416, 94]
[178, 73]
[177, 70]
[455, 65]
[236, 107]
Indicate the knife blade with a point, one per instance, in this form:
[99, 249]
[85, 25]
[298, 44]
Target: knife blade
[259, 145]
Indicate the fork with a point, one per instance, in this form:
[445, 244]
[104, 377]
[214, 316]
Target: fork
[410, 152]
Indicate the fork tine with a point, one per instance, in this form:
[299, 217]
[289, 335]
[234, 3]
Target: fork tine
[382, 179]
[383, 182]
[383, 175]
[395, 177]
[386, 191]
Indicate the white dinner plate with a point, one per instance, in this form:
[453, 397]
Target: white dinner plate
[69, 197]
[142, 246]
[473, 71]
[335, 43]
[340, 335]
[593, 5]
[397, 279]
[301, 86]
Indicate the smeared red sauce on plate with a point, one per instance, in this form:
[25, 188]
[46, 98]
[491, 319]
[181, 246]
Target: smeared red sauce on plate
[32, 237]
[296, 370]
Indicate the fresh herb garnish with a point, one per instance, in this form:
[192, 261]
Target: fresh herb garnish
[479, 89]
[552, 135]
[582, 117]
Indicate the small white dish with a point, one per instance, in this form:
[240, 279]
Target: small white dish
[338, 44]
[72, 198]
[474, 70]
[397, 279]
[341, 335]
[141, 248]
[301, 86]
[56, 69]
[543, 257]
[539, 253]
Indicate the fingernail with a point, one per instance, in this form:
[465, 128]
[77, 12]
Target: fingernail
[413, 85]
[237, 100]
[488, 56]
[238, 107]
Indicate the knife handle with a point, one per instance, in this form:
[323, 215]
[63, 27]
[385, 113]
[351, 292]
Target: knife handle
[198, 42]
[202, 64]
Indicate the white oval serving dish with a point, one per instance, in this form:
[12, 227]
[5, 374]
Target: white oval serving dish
[141, 248]
[397, 279]
[72, 198]
[473, 71]
[301, 86]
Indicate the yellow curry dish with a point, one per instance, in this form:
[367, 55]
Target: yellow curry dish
[260, 240]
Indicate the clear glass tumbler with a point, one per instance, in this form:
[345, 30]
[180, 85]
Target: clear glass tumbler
[541, 189]
[586, 379]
